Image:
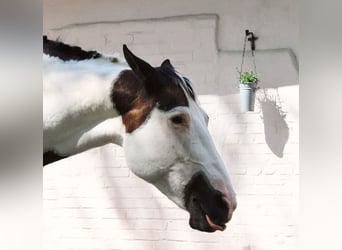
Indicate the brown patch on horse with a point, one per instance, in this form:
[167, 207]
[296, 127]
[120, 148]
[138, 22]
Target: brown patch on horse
[130, 99]
[135, 102]
[138, 115]
[136, 92]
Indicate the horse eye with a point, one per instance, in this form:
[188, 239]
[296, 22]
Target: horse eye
[178, 119]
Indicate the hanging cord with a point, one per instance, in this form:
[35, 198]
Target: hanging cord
[253, 56]
[243, 54]
[250, 37]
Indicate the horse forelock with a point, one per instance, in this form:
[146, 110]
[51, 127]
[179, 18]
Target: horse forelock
[181, 81]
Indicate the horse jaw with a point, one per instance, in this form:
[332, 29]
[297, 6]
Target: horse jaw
[168, 159]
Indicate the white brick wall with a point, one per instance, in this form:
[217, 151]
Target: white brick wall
[92, 201]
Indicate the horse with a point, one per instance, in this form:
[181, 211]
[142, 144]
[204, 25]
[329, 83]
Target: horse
[152, 112]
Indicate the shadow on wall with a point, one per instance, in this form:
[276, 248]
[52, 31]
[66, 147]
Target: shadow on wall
[275, 127]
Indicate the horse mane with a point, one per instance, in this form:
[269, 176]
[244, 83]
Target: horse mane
[67, 52]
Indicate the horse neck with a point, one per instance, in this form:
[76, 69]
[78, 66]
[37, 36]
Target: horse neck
[78, 110]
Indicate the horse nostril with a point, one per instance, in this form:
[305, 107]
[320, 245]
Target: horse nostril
[194, 199]
[222, 207]
[221, 202]
[225, 203]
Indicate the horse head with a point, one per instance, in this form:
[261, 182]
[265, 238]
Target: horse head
[167, 141]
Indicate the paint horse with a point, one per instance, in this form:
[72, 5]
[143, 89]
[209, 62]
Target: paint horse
[152, 112]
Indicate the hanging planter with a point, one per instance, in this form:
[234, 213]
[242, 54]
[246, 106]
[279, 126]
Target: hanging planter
[248, 87]
[248, 80]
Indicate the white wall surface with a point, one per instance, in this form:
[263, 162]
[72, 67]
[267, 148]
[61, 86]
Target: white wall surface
[93, 201]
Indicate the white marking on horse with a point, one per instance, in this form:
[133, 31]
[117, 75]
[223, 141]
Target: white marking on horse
[77, 110]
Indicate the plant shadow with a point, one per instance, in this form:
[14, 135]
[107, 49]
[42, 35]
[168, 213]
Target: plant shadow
[275, 127]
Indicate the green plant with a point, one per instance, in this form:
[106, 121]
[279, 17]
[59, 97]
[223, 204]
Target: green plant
[248, 77]
[114, 59]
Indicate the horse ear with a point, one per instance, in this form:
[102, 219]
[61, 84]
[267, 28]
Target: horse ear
[139, 66]
[167, 64]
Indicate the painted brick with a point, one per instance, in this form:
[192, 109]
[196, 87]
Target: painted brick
[150, 224]
[77, 243]
[255, 170]
[269, 170]
[144, 213]
[120, 244]
[149, 235]
[171, 245]
[93, 201]
[116, 172]
[238, 170]
[178, 225]
[112, 213]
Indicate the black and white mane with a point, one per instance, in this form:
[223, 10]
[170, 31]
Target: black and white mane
[67, 52]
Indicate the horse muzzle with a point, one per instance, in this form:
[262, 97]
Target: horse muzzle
[209, 209]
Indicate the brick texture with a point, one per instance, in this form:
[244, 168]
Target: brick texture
[93, 201]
